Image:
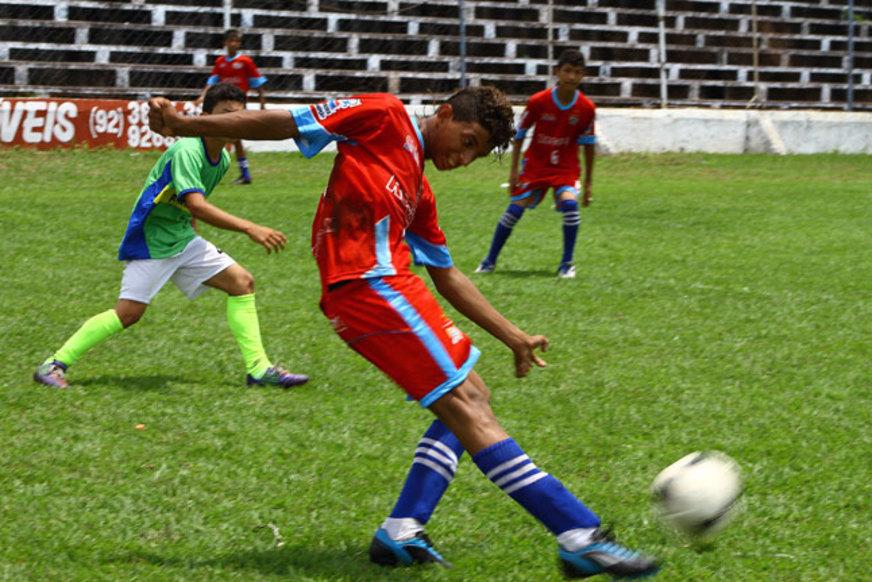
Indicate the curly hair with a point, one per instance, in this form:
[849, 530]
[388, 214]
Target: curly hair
[489, 107]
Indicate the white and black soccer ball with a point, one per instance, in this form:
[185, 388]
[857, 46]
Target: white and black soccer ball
[698, 495]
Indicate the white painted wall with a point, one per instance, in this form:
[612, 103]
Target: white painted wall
[709, 130]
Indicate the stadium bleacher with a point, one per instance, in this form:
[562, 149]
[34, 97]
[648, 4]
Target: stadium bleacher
[312, 48]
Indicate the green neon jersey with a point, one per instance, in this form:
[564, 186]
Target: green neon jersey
[160, 224]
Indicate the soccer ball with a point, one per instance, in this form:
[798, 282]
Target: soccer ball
[698, 494]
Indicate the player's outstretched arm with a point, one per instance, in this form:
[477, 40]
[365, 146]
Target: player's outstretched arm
[265, 124]
[461, 293]
[270, 239]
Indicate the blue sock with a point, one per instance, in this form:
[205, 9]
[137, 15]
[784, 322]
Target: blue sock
[432, 471]
[243, 167]
[504, 228]
[571, 220]
[539, 493]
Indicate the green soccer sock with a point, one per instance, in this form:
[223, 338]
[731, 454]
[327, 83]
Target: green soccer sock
[242, 319]
[93, 332]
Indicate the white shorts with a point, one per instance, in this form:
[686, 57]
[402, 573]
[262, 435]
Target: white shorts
[199, 262]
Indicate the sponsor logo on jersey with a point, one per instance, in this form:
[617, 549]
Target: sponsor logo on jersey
[573, 120]
[548, 117]
[552, 141]
[411, 146]
[393, 188]
[236, 65]
[328, 108]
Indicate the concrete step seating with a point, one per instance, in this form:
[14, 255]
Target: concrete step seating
[310, 50]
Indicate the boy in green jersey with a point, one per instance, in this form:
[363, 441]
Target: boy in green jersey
[161, 245]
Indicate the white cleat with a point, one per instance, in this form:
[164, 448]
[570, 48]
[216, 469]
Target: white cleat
[485, 267]
[566, 271]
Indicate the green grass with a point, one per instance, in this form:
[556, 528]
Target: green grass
[723, 302]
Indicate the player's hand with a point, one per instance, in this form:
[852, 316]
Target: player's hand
[587, 196]
[161, 114]
[270, 239]
[526, 356]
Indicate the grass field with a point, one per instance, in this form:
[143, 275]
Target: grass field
[722, 302]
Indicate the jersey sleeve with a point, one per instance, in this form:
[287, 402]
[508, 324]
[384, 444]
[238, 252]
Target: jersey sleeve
[255, 79]
[424, 236]
[528, 119]
[352, 119]
[214, 77]
[588, 134]
[185, 167]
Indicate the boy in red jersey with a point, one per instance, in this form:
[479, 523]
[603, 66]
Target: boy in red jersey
[237, 69]
[377, 206]
[564, 119]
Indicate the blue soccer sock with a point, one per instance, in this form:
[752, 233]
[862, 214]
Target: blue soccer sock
[506, 464]
[504, 229]
[432, 470]
[243, 166]
[571, 220]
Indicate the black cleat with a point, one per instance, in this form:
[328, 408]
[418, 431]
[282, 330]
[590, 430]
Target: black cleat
[417, 550]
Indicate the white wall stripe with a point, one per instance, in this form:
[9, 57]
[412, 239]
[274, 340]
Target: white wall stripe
[503, 466]
[525, 482]
[435, 466]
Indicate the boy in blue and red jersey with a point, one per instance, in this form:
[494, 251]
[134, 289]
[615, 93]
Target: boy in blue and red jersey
[564, 119]
[376, 208]
[239, 70]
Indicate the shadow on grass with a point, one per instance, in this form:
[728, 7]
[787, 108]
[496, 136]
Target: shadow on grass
[300, 560]
[519, 274]
[153, 382]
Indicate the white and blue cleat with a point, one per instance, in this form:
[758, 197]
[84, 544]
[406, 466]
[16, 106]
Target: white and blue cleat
[605, 556]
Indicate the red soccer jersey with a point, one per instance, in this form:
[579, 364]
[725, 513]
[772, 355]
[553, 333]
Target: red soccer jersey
[377, 194]
[239, 70]
[552, 156]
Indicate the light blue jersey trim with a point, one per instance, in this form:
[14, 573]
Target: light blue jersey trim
[255, 82]
[426, 253]
[229, 59]
[560, 106]
[416, 323]
[213, 80]
[313, 137]
[586, 140]
[453, 382]
[383, 263]
[521, 133]
[414, 121]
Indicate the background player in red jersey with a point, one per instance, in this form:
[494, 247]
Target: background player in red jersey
[377, 206]
[237, 69]
[564, 119]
